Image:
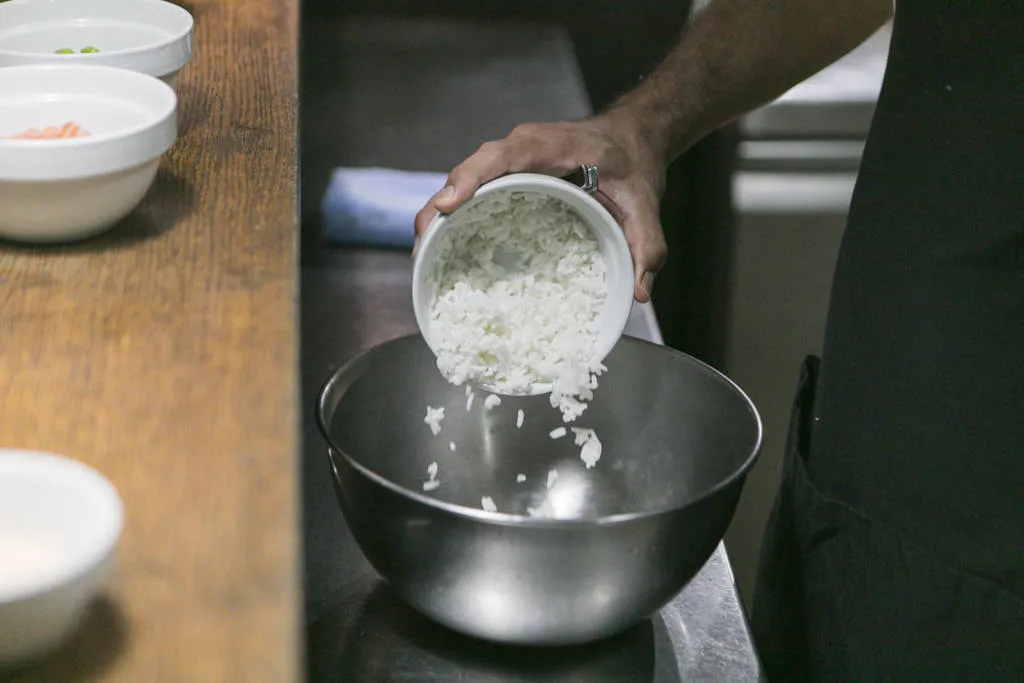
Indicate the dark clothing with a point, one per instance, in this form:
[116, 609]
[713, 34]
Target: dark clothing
[896, 548]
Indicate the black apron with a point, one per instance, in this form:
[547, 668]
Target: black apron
[895, 551]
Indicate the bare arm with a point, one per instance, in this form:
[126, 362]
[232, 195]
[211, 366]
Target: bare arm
[737, 55]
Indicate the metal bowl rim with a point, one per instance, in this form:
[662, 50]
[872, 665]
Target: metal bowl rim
[508, 519]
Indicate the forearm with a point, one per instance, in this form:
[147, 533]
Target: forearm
[738, 55]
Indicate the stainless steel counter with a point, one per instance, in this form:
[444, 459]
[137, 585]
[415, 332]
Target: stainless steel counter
[361, 632]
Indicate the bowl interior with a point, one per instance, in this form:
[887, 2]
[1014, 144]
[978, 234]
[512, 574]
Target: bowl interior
[57, 519]
[78, 34]
[100, 116]
[672, 429]
[104, 101]
[42, 28]
[611, 243]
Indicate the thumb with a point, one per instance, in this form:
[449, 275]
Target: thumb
[647, 245]
[644, 284]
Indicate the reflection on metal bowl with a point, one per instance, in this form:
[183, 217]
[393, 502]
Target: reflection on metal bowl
[678, 441]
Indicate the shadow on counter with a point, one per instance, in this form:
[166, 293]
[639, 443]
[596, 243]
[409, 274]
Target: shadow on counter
[383, 640]
[89, 654]
[170, 199]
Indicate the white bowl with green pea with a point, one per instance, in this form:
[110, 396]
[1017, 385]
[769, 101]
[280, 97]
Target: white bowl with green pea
[149, 36]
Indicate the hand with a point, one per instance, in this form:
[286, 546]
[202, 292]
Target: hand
[632, 179]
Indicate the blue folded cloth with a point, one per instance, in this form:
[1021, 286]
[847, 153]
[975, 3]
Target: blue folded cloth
[375, 207]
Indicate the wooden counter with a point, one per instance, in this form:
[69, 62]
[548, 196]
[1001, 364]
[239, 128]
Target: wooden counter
[164, 354]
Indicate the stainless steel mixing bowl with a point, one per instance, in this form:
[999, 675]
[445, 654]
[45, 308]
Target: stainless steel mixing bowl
[678, 440]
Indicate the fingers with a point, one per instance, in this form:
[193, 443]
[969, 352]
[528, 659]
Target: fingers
[648, 258]
[491, 161]
[487, 163]
[649, 255]
[537, 148]
[556, 149]
[427, 213]
[641, 224]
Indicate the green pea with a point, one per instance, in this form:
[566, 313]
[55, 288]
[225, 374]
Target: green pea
[65, 51]
[89, 50]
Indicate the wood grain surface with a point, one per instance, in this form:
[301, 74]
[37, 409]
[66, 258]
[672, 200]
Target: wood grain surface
[164, 354]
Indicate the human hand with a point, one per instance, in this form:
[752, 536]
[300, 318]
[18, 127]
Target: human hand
[632, 179]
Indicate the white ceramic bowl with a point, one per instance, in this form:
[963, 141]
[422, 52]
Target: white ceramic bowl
[59, 526]
[59, 190]
[612, 243]
[149, 36]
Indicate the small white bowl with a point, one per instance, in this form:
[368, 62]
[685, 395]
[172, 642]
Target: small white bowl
[149, 36]
[59, 526]
[612, 243]
[59, 190]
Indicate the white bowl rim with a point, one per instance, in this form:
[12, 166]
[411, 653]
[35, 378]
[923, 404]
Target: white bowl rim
[168, 113]
[85, 477]
[525, 182]
[138, 77]
[95, 56]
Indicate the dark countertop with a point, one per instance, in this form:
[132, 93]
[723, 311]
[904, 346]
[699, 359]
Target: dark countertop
[421, 96]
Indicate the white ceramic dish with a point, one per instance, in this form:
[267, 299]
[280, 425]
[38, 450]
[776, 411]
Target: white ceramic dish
[149, 36]
[59, 526]
[611, 241]
[59, 190]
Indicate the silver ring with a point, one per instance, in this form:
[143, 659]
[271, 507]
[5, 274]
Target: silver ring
[590, 178]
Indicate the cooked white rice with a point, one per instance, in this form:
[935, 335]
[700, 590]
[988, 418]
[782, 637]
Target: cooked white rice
[433, 419]
[581, 434]
[487, 503]
[520, 285]
[591, 451]
[432, 481]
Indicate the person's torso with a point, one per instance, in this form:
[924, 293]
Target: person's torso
[920, 416]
